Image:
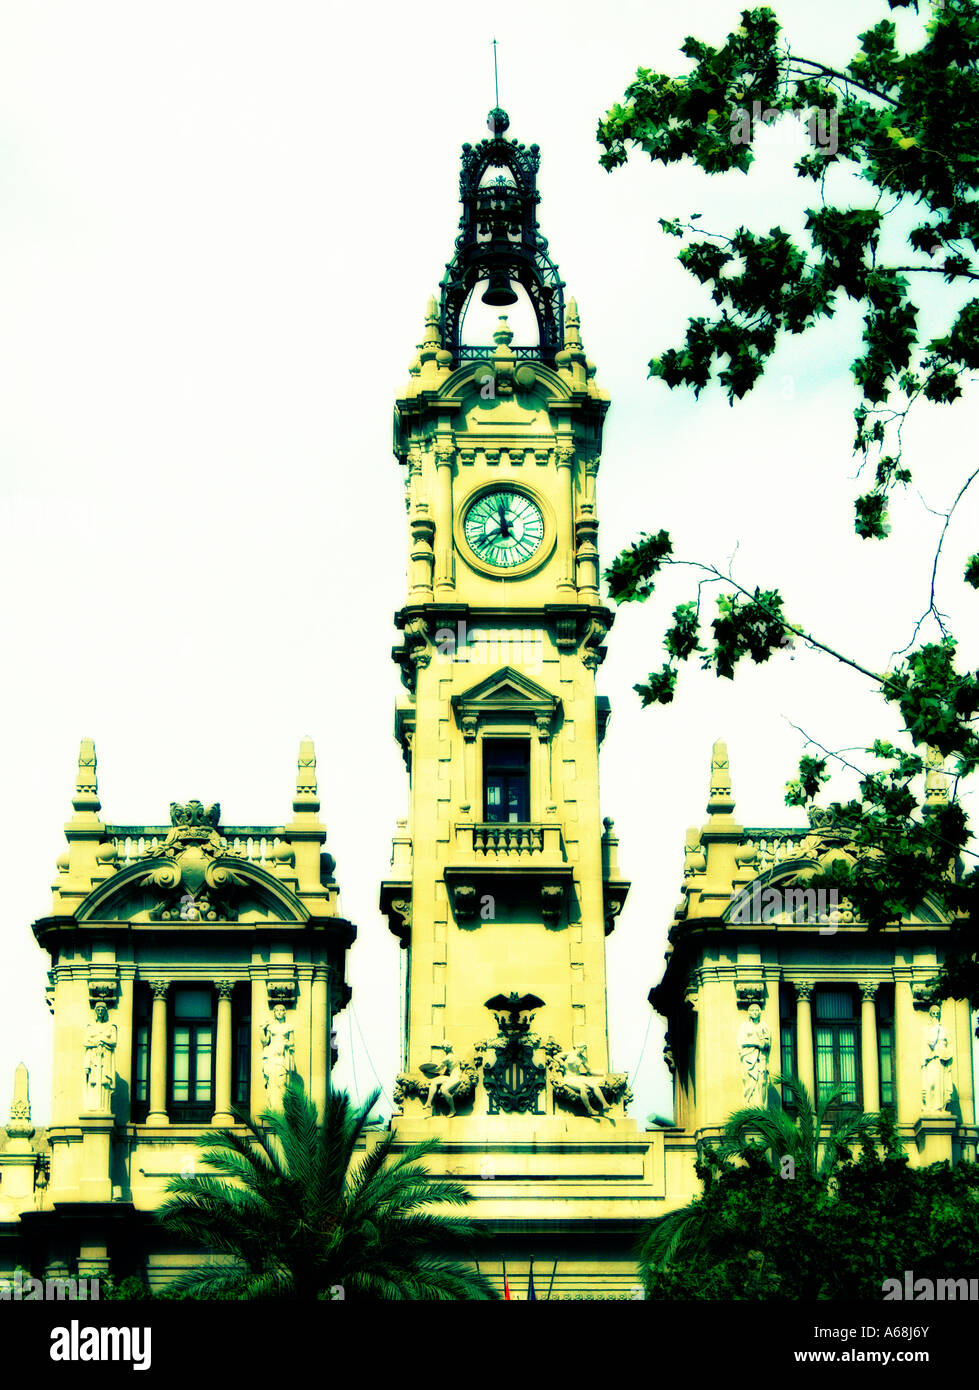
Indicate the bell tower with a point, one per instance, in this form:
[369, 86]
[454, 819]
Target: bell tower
[504, 883]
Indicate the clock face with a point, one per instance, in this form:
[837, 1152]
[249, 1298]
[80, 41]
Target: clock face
[504, 528]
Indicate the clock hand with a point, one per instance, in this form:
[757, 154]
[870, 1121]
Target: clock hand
[504, 529]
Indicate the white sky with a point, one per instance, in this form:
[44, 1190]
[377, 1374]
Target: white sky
[219, 224]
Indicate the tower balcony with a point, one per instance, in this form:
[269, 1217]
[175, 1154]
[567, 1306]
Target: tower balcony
[511, 841]
[509, 857]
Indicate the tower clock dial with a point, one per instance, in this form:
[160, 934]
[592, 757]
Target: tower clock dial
[504, 528]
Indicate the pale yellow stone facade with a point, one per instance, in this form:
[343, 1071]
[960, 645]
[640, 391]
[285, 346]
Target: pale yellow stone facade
[172, 947]
[503, 886]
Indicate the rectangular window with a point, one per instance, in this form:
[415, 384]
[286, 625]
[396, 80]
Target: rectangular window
[506, 779]
[885, 1046]
[142, 1008]
[837, 1044]
[788, 1059]
[192, 1030]
[241, 1025]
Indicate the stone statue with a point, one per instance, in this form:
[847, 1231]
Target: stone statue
[570, 1072]
[445, 1078]
[278, 1055]
[451, 1081]
[936, 1065]
[754, 1045]
[100, 1072]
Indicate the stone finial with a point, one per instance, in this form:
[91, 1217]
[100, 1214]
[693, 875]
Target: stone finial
[572, 326]
[430, 337]
[307, 792]
[86, 796]
[721, 798]
[694, 859]
[572, 354]
[431, 354]
[19, 1125]
[503, 333]
[936, 783]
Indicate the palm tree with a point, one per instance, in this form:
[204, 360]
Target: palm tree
[781, 1136]
[768, 1135]
[298, 1218]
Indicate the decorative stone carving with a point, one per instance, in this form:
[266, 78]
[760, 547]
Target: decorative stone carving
[804, 989]
[668, 1057]
[447, 1083]
[417, 649]
[402, 908]
[191, 873]
[721, 798]
[278, 1055]
[19, 1125]
[868, 990]
[574, 1084]
[565, 634]
[750, 993]
[694, 859]
[551, 901]
[465, 900]
[100, 1072]
[281, 987]
[922, 996]
[103, 986]
[514, 1063]
[225, 988]
[592, 651]
[754, 1047]
[936, 1065]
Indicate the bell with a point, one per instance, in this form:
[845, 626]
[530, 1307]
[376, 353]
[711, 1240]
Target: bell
[499, 291]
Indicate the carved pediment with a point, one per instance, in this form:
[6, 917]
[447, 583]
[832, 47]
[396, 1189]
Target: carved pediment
[156, 890]
[506, 691]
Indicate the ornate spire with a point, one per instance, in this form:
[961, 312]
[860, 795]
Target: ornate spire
[499, 241]
[19, 1125]
[721, 798]
[307, 791]
[86, 796]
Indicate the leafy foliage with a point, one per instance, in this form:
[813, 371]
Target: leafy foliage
[834, 1229]
[904, 122]
[297, 1216]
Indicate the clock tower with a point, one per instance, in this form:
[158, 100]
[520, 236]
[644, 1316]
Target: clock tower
[504, 883]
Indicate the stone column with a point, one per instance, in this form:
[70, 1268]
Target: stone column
[473, 796]
[222, 1057]
[803, 1035]
[962, 1051]
[260, 1013]
[907, 1054]
[542, 770]
[319, 1058]
[444, 555]
[158, 1055]
[567, 579]
[868, 1045]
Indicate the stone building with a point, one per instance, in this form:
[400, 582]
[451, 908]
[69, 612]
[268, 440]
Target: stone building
[192, 965]
[764, 977]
